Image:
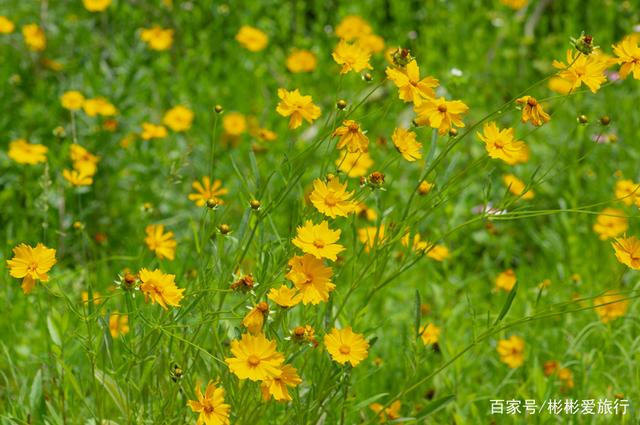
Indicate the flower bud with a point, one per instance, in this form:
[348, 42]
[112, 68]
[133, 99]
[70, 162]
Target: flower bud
[605, 120]
[401, 57]
[255, 204]
[217, 108]
[584, 44]
[367, 76]
[341, 104]
[582, 119]
[212, 203]
[224, 229]
[453, 132]
[376, 178]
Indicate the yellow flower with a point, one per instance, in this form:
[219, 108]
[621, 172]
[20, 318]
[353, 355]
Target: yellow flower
[207, 191]
[301, 61]
[532, 111]
[99, 106]
[77, 178]
[118, 324]
[31, 264]
[437, 252]
[97, 297]
[311, 277]
[96, 5]
[72, 100]
[266, 135]
[354, 164]
[628, 251]
[425, 187]
[440, 114]
[24, 152]
[371, 237]
[318, 240]
[565, 375]
[352, 57]
[234, 124]
[254, 320]
[511, 351]
[160, 288]
[34, 37]
[583, 69]
[352, 27]
[153, 131]
[628, 53]
[627, 191]
[371, 42]
[515, 4]
[284, 296]
[500, 144]
[363, 211]
[517, 187]
[277, 386]
[406, 143]
[430, 334]
[211, 406]
[351, 137]
[506, 280]
[256, 358]
[560, 85]
[611, 305]
[410, 87]
[610, 223]
[83, 161]
[6, 26]
[252, 38]
[179, 118]
[332, 199]
[157, 38]
[297, 106]
[389, 414]
[162, 244]
[346, 346]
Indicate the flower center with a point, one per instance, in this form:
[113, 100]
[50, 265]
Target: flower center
[442, 108]
[344, 349]
[331, 200]
[318, 243]
[532, 102]
[354, 128]
[253, 360]
[33, 266]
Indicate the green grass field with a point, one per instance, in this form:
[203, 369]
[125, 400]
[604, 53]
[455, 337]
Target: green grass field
[187, 239]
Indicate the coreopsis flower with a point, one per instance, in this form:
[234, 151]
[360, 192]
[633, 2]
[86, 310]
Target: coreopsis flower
[560, 85]
[351, 137]
[550, 367]
[387, 414]
[77, 178]
[302, 334]
[517, 187]
[252, 38]
[311, 277]
[34, 37]
[318, 240]
[506, 280]
[6, 25]
[161, 243]
[610, 223]
[293, 104]
[118, 324]
[566, 377]
[266, 135]
[301, 61]
[99, 106]
[244, 284]
[628, 251]
[425, 187]
[96, 5]
[430, 334]
[500, 144]
[371, 42]
[410, 87]
[157, 38]
[532, 111]
[511, 351]
[254, 320]
[354, 164]
[440, 114]
[352, 57]
[610, 306]
[406, 143]
[284, 296]
[153, 131]
[628, 56]
[211, 406]
[207, 192]
[371, 237]
[160, 288]
[31, 264]
[627, 191]
[344, 345]
[179, 118]
[363, 211]
[234, 124]
[276, 387]
[583, 69]
[332, 198]
[97, 296]
[24, 152]
[83, 161]
[436, 252]
[72, 100]
[255, 358]
[352, 27]
[515, 4]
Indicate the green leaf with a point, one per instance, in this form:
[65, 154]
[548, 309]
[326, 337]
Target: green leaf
[368, 401]
[114, 391]
[435, 405]
[418, 313]
[35, 396]
[507, 304]
[53, 331]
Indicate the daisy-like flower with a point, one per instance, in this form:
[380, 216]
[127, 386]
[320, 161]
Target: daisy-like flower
[77, 178]
[406, 143]
[99, 106]
[6, 26]
[118, 324]
[24, 152]
[254, 320]
[352, 57]
[318, 240]
[351, 137]
[83, 161]
[179, 118]
[500, 144]
[234, 124]
[96, 5]
[610, 223]
[31, 264]
[628, 56]
[583, 69]
[611, 305]
[627, 191]
[332, 198]
[72, 100]
[511, 351]
[352, 27]
[276, 387]
[153, 131]
[410, 87]
[162, 244]
[387, 414]
[284, 296]
[517, 187]
[506, 280]
[301, 61]
[515, 4]
[157, 38]
[430, 334]
[160, 288]
[371, 237]
[440, 114]
[628, 251]
[354, 164]
[252, 38]
[311, 277]
[207, 192]
[532, 111]
[211, 406]
[344, 345]
[293, 104]
[34, 37]
[255, 358]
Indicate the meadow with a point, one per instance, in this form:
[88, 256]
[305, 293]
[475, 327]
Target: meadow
[319, 212]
